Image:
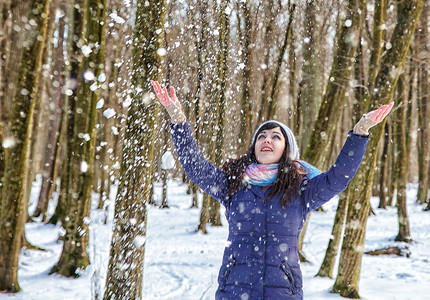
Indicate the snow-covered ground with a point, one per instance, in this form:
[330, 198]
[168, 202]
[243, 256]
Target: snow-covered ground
[183, 264]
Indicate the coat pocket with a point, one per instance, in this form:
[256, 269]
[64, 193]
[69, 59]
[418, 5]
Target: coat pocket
[231, 263]
[287, 271]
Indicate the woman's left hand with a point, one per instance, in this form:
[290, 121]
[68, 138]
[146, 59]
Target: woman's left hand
[372, 118]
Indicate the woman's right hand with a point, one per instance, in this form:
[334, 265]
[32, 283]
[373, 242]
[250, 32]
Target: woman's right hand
[372, 118]
[171, 103]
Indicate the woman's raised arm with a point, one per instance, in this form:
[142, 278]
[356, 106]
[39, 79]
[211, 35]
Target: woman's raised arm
[325, 186]
[208, 177]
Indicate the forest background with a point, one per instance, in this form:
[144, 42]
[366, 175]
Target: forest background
[76, 107]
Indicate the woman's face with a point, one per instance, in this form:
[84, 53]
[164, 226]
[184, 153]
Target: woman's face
[269, 146]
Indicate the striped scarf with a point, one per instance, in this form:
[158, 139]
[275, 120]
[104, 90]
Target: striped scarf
[261, 175]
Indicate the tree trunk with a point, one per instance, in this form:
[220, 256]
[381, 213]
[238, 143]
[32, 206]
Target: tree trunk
[311, 91]
[124, 278]
[302, 256]
[12, 55]
[74, 256]
[318, 145]
[272, 101]
[218, 104]
[194, 189]
[4, 30]
[204, 214]
[62, 168]
[14, 183]
[360, 91]
[114, 40]
[76, 30]
[379, 20]
[268, 45]
[292, 64]
[245, 130]
[165, 119]
[41, 110]
[360, 188]
[327, 265]
[423, 109]
[402, 167]
[326, 269]
[392, 183]
[104, 160]
[215, 217]
[56, 117]
[201, 47]
[214, 214]
[384, 169]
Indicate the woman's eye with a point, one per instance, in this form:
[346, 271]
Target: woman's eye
[277, 137]
[261, 137]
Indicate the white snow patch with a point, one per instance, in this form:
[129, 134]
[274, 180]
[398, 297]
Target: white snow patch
[182, 264]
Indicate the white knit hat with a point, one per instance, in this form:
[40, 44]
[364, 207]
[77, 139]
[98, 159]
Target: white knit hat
[292, 143]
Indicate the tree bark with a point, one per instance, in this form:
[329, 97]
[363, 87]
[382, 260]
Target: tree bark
[326, 269]
[14, 183]
[423, 109]
[124, 278]
[319, 144]
[12, 52]
[74, 256]
[218, 105]
[268, 45]
[325, 126]
[201, 48]
[292, 64]
[247, 57]
[379, 19]
[50, 158]
[165, 119]
[402, 167]
[392, 184]
[272, 101]
[214, 214]
[311, 90]
[384, 169]
[360, 188]
[114, 40]
[4, 17]
[76, 29]
[204, 214]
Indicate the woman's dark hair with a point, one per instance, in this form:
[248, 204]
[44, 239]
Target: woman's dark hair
[289, 172]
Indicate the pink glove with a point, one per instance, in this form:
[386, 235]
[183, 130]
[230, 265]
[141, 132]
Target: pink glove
[172, 105]
[372, 119]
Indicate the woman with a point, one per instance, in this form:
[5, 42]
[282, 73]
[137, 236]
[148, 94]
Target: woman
[267, 194]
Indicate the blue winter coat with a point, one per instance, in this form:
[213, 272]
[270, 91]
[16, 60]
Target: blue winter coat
[261, 258]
